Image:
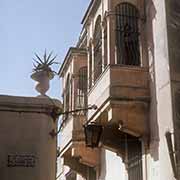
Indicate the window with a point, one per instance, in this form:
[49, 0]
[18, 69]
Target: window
[91, 174]
[127, 34]
[82, 88]
[134, 158]
[71, 175]
[97, 49]
[67, 96]
[105, 44]
[90, 66]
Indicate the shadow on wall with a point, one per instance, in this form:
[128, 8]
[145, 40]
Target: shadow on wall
[154, 127]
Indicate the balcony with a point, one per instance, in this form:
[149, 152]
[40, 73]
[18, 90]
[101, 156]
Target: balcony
[72, 146]
[122, 95]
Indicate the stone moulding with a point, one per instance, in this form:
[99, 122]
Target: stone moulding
[28, 104]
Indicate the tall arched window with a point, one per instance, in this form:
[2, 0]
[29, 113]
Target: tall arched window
[67, 96]
[90, 65]
[97, 49]
[105, 43]
[127, 34]
[82, 88]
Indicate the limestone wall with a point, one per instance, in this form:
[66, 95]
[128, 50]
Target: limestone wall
[158, 161]
[27, 151]
[173, 27]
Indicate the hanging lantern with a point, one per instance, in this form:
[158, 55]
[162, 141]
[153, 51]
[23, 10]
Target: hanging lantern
[92, 134]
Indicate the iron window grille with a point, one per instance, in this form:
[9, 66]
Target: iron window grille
[105, 45]
[90, 66]
[71, 175]
[127, 34]
[97, 49]
[132, 156]
[82, 88]
[67, 97]
[134, 164]
[97, 71]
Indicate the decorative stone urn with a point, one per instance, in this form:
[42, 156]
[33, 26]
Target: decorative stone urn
[42, 72]
[43, 78]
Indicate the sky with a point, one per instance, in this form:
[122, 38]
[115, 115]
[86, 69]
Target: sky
[31, 26]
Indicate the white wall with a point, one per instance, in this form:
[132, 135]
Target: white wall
[112, 167]
[159, 166]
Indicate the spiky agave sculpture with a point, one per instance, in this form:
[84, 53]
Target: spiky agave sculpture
[45, 63]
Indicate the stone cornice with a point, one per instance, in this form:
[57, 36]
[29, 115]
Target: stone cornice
[28, 104]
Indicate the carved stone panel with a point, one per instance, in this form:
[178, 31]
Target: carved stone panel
[19, 160]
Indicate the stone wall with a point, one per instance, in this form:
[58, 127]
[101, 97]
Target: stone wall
[161, 110]
[27, 151]
[112, 167]
[173, 28]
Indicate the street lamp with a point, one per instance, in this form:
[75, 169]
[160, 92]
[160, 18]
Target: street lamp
[55, 114]
[92, 134]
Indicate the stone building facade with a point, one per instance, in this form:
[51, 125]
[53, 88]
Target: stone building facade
[129, 50]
